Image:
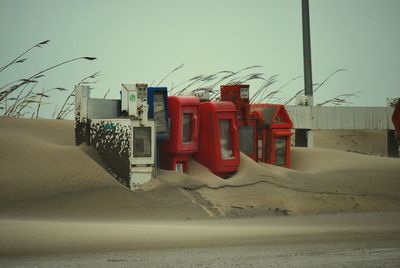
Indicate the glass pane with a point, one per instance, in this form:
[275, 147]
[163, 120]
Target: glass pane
[187, 128]
[159, 112]
[280, 151]
[226, 139]
[141, 142]
[244, 93]
[246, 139]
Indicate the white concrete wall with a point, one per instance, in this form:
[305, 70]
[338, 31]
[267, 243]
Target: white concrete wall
[341, 118]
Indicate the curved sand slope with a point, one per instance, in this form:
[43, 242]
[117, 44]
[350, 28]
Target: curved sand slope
[43, 175]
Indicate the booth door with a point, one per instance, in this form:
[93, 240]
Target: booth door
[280, 150]
[141, 142]
[187, 127]
[160, 112]
[280, 147]
[190, 129]
[225, 130]
[248, 139]
[228, 137]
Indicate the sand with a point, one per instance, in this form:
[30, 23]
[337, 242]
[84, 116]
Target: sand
[58, 198]
[370, 142]
[26, 237]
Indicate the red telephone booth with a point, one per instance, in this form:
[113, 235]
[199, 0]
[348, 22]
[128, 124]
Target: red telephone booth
[274, 131]
[247, 125]
[218, 138]
[184, 128]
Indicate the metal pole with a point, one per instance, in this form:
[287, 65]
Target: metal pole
[308, 85]
[304, 137]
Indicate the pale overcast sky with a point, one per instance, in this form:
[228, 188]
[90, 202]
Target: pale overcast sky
[141, 41]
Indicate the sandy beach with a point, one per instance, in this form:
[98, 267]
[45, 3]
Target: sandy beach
[56, 199]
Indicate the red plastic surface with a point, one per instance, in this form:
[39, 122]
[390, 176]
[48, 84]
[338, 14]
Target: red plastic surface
[280, 118]
[215, 116]
[182, 143]
[273, 130]
[233, 93]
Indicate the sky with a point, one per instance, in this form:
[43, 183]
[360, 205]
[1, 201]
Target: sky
[141, 41]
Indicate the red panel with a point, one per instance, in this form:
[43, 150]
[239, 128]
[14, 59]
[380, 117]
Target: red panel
[218, 136]
[274, 131]
[184, 128]
[278, 119]
[239, 95]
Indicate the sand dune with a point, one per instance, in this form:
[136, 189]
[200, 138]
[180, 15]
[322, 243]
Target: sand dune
[47, 182]
[44, 174]
[39, 160]
[48, 176]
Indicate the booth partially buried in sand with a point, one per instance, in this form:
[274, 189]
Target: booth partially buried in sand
[120, 131]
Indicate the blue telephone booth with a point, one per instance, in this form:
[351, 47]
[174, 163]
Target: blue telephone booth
[157, 98]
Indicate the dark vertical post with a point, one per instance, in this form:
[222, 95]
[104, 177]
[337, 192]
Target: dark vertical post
[302, 136]
[392, 144]
[308, 85]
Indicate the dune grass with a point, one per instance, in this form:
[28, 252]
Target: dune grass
[20, 98]
[267, 92]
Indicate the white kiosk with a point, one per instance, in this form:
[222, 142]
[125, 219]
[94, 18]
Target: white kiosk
[120, 131]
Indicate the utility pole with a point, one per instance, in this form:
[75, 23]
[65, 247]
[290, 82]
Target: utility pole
[308, 84]
[304, 137]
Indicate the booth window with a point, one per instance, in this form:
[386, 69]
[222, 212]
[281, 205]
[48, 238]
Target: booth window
[226, 139]
[187, 128]
[159, 112]
[246, 139]
[280, 151]
[141, 142]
